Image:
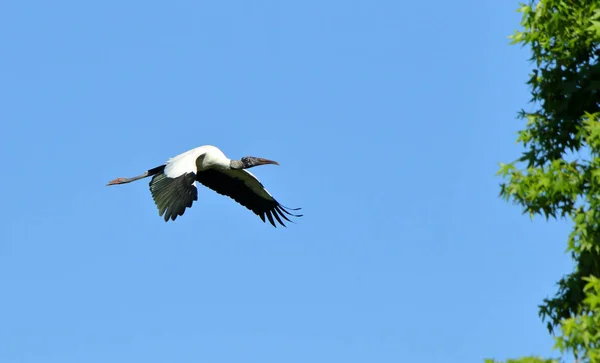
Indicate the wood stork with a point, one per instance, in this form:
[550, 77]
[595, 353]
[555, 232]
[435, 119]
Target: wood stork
[173, 185]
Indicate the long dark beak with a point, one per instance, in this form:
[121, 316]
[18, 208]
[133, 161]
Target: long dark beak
[262, 161]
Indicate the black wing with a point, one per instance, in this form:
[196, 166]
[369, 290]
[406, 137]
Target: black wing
[244, 188]
[173, 195]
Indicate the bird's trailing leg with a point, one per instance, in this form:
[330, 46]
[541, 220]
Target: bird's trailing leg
[129, 180]
[116, 181]
[126, 180]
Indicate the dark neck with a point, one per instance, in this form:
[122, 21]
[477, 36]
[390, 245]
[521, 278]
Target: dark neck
[248, 162]
[236, 165]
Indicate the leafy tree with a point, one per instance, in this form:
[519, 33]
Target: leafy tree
[558, 175]
[525, 360]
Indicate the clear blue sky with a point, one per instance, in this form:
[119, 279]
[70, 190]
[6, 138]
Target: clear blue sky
[389, 120]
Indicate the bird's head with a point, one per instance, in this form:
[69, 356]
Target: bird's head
[250, 161]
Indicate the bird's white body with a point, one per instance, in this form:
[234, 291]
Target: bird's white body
[173, 185]
[186, 162]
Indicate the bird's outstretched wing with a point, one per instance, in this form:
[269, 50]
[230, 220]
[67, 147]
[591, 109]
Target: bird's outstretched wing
[244, 188]
[173, 195]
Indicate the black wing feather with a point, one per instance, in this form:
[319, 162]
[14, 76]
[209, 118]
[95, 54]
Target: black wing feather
[278, 210]
[237, 190]
[173, 195]
[271, 219]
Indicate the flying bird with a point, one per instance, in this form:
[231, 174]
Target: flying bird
[173, 185]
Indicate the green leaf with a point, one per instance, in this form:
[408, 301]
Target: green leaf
[558, 172]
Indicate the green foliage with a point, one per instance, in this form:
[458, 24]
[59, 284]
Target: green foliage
[525, 360]
[556, 180]
[581, 333]
[558, 175]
